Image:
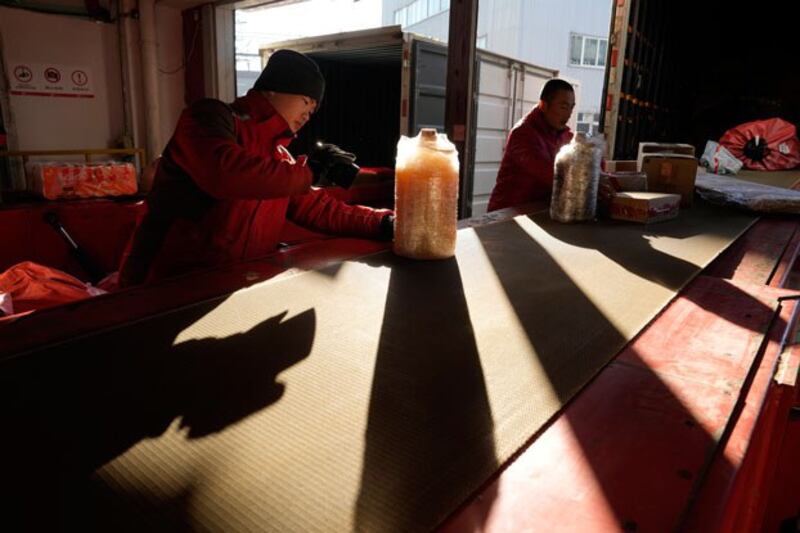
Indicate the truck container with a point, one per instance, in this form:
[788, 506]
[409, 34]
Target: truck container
[383, 83]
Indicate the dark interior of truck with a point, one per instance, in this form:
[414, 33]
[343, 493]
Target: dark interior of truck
[360, 109]
[707, 67]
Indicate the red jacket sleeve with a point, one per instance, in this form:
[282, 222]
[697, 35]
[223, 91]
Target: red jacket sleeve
[205, 146]
[321, 212]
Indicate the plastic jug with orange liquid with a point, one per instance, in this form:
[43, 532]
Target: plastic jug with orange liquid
[426, 196]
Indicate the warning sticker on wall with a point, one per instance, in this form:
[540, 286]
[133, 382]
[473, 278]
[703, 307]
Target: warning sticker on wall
[37, 79]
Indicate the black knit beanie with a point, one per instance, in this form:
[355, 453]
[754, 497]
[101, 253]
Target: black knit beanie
[291, 72]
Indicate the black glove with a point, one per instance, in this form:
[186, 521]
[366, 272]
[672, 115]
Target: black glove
[342, 174]
[330, 163]
[386, 230]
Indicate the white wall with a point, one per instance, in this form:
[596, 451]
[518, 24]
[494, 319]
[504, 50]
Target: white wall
[502, 23]
[435, 27]
[171, 85]
[546, 39]
[42, 123]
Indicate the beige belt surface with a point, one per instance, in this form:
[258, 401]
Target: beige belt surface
[373, 395]
[786, 179]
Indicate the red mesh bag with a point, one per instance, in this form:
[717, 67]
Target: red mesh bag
[764, 144]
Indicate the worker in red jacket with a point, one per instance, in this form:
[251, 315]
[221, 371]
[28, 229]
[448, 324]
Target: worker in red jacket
[526, 172]
[226, 182]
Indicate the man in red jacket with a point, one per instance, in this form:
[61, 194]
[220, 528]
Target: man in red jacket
[226, 183]
[526, 172]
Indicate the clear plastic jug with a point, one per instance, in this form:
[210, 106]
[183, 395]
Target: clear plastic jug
[426, 196]
[575, 179]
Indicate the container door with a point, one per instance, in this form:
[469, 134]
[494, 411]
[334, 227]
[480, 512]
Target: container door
[507, 90]
[640, 88]
[428, 84]
[495, 115]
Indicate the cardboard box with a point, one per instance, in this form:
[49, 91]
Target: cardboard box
[621, 165]
[671, 173]
[624, 181]
[645, 207]
[649, 148]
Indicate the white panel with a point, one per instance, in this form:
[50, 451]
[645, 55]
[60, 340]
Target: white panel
[520, 109]
[489, 147]
[492, 112]
[533, 86]
[479, 204]
[493, 79]
[485, 178]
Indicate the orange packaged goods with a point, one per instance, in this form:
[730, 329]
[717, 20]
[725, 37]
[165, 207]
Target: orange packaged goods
[645, 206]
[426, 196]
[55, 180]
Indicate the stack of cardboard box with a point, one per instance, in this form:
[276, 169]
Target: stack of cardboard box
[652, 187]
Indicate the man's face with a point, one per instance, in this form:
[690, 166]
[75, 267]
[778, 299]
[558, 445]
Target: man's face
[296, 109]
[558, 110]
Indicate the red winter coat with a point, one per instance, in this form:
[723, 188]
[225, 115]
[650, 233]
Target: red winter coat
[223, 189]
[526, 172]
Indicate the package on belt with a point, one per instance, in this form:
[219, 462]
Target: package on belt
[618, 176]
[671, 173]
[650, 148]
[644, 207]
[620, 165]
[55, 180]
[717, 159]
[623, 181]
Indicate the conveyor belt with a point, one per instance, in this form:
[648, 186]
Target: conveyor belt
[373, 395]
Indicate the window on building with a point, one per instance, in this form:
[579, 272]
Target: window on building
[481, 41]
[590, 52]
[601, 54]
[575, 49]
[421, 7]
[586, 51]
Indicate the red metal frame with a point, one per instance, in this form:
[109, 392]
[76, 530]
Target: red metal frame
[20, 333]
[678, 431]
[782, 503]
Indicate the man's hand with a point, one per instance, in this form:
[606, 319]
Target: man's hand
[328, 161]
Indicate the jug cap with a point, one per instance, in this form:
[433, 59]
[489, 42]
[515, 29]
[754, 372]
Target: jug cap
[428, 134]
